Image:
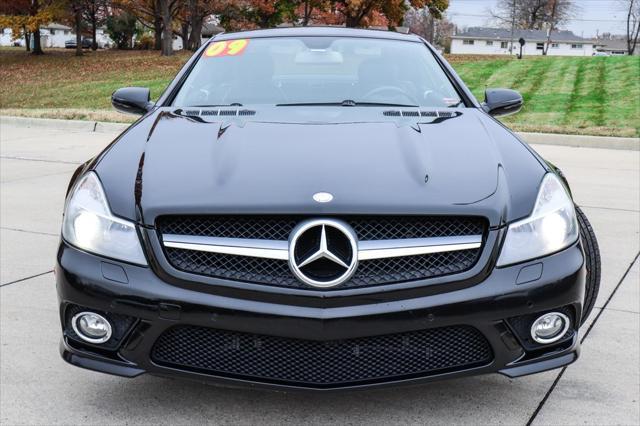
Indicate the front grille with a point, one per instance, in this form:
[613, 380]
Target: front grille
[367, 228]
[320, 364]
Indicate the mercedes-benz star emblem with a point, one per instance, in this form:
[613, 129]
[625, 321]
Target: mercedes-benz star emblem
[322, 197]
[323, 252]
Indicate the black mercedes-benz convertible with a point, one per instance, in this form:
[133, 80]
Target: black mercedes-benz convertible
[321, 208]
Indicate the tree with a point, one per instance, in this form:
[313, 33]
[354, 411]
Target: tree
[426, 25]
[533, 14]
[553, 10]
[148, 14]
[191, 17]
[95, 13]
[157, 15]
[26, 17]
[76, 7]
[167, 10]
[198, 10]
[121, 27]
[360, 13]
[167, 33]
[307, 10]
[633, 24]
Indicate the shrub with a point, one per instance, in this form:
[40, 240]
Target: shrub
[121, 28]
[145, 42]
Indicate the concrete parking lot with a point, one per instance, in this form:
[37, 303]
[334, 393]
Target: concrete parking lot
[37, 387]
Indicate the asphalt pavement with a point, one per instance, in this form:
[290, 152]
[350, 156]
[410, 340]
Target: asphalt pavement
[37, 387]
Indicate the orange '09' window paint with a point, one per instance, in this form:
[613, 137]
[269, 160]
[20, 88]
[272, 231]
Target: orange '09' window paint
[226, 48]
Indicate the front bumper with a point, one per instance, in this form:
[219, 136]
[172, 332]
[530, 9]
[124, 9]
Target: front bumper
[96, 283]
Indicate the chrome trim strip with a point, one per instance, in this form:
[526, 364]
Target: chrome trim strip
[268, 249]
[279, 250]
[381, 249]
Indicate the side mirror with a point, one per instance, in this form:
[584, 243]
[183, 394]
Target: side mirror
[132, 100]
[498, 102]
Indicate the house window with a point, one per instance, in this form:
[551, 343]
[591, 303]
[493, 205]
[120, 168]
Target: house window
[540, 46]
[489, 43]
[504, 45]
[555, 46]
[52, 31]
[576, 46]
[469, 42]
[66, 32]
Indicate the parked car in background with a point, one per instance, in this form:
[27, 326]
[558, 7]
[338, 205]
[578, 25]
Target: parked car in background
[72, 44]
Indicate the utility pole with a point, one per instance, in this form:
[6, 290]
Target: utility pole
[513, 25]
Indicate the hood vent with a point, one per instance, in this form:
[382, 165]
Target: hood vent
[217, 112]
[414, 113]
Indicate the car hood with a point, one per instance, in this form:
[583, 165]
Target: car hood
[187, 165]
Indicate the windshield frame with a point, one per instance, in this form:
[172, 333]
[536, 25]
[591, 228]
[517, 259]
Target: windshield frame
[167, 98]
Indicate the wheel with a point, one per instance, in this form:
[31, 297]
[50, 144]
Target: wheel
[592, 260]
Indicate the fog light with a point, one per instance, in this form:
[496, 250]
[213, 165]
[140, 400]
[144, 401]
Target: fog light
[550, 327]
[91, 327]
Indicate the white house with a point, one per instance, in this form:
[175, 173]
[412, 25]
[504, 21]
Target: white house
[54, 35]
[209, 29]
[498, 41]
[614, 46]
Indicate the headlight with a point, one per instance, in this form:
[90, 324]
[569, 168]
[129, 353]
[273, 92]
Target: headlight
[89, 225]
[551, 227]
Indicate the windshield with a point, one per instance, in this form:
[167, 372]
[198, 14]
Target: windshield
[315, 71]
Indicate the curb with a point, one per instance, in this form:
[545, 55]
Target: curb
[52, 123]
[581, 141]
[604, 142]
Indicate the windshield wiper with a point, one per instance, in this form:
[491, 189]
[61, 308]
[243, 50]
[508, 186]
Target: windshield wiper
[350, 103]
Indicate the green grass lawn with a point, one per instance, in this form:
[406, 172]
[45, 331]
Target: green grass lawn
[592, 95]
[584, 95]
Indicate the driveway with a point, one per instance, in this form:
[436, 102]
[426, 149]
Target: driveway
[36, 386]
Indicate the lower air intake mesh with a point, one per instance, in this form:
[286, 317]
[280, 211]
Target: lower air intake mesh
[311, 363]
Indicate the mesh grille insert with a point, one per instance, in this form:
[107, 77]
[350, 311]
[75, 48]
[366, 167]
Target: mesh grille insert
[321, 364]
[277, 272]
[279, 227]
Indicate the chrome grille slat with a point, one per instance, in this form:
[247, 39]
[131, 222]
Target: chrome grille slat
[367, 250]
[268, 249]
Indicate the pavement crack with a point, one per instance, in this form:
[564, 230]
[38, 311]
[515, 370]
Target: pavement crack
[25, 279]
[595, 320]
[36, 177]
[42, 160]
[546, 397]
[29, 232]
[626, 311]
[609, 208]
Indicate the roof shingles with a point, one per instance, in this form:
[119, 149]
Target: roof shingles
[529, 35]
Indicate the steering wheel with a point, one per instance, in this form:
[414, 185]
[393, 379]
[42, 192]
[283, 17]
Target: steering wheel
[393, 90]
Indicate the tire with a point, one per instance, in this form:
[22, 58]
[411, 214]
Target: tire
[592, 261]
